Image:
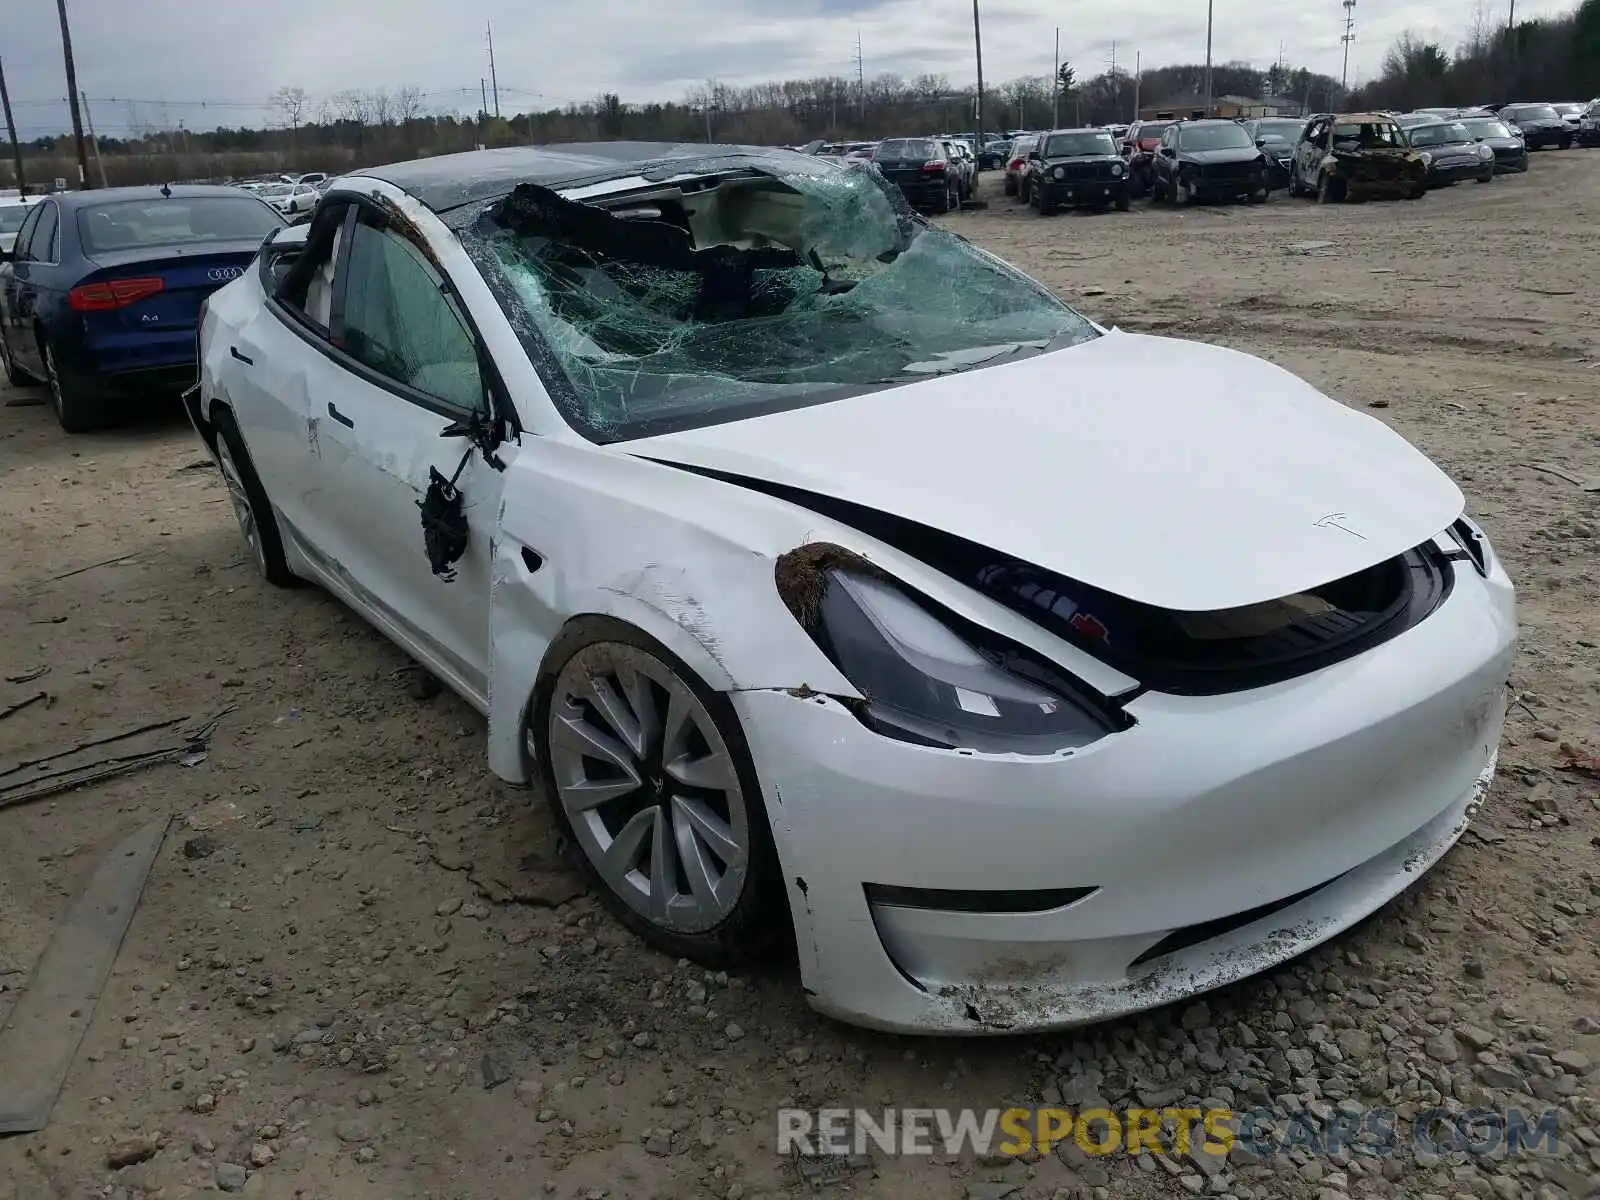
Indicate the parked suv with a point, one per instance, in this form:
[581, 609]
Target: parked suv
[1350, 156]
[922, 170]
[1077, 167]
[1209, 159]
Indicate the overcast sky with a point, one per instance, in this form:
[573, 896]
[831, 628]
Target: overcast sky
[133, 55]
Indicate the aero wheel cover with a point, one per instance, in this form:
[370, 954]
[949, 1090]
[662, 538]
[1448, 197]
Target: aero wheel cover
[649, 787]
[240, 499]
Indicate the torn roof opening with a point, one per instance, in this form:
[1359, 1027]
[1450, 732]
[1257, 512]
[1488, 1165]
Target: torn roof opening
[701, 290]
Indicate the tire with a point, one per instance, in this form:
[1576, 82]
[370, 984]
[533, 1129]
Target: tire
[1259, 197]
[1124, 202]
[1178, 195]
[1487, 177]
[1294, 184]
[603, 677]
[1010, 186]
[75, 411]
[251, 508]
[1328, 191]
[942, 204]
[14, 374]
[1024, 191]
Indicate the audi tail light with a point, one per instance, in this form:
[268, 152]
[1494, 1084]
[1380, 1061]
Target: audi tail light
[113, 294]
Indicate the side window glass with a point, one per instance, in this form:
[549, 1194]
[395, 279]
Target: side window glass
[25, 234]
[305, 282]
[42, 245]
[399, 321]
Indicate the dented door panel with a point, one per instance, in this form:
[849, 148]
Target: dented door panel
[368, 470]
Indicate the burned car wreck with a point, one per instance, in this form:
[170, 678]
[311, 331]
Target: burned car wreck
[843, 595]
[1355, 157]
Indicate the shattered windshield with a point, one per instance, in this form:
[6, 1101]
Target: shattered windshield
[770, 284]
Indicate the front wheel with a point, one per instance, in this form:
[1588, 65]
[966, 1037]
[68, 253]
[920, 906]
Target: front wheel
[647, 771]
[1123, 202]
[1329, 189]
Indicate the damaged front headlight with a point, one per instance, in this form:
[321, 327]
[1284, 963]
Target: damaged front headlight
[1469, 535]
[926, 681]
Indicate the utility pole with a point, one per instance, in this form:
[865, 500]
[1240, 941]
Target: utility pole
[977, 46]
[1138, 78]
[493, 78]
[72, 95]
[1349, 36]
[1055, 86]
[11, 130]
[1209, 6]
[483, 112]
[861, 85]
[94, 142]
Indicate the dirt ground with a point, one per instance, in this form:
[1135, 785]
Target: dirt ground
[359, 970]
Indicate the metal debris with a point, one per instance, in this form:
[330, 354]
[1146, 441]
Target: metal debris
[41, 1037]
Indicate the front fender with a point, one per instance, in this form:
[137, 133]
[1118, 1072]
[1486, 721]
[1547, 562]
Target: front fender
[588, 531]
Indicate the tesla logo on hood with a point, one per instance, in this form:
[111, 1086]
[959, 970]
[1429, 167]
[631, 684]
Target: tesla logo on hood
[1336, 521]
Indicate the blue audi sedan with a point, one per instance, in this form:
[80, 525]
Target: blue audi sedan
[100, 294]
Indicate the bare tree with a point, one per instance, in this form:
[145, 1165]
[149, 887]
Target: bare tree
[292, 104]
[406, 104]
[380, 107]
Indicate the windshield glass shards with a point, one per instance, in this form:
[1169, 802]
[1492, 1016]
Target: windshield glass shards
[747, 290]
[1079, 145]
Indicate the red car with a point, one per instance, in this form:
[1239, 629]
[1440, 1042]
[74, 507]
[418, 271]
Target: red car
[1138, 148]
[1017, 164]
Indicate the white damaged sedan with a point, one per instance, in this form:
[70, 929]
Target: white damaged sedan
[849, 596]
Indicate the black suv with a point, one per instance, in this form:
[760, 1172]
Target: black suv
[1077, 167]
[1209, 159]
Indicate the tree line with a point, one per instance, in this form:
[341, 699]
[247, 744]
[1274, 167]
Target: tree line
[1556, 58]
[1552, 59]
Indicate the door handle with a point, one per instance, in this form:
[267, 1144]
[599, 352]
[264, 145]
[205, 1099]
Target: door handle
[234, 350]
[340, 417]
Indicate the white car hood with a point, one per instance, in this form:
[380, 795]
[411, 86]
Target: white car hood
[1175, 473]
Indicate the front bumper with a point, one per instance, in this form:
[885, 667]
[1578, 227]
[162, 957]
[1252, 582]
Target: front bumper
[1219, 836]
[1442, 174]
[1202, 188]
[1066, 192]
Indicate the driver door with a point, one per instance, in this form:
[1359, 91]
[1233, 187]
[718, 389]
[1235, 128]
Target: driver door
[409, 369]
[1308, 154]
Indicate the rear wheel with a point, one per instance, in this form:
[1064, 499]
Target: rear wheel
[647, 771]
[75, 411]
[251, 508]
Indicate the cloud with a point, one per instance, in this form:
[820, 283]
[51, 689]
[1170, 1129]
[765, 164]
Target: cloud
[161, 62]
